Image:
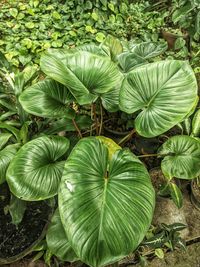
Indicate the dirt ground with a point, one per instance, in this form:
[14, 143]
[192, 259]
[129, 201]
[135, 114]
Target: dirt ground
[190, 258]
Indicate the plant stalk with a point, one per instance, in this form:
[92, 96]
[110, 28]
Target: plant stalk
[148, 155]
[95, 117]
[77, 129]
[127, 137]
[101, 118]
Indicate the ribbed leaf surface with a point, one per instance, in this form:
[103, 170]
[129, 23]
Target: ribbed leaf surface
[6, 155]
[36, 170]
[57, 240]
[148, 50]
[106, 206]
[182, 158]
[48, 99]
[85, 74]
[165, 92]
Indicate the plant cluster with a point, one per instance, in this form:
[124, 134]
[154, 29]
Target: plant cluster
[28, 28]
[104, 192]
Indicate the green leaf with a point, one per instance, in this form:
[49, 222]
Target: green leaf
[17, 208]
[13, 12]
[83, 122]
[11, 129]
[4, 138]
[100, 37]
[196, 124]
[35, 172]
[30, 25]
[94, 49]
[4, 62]
[106, 206]
[86, 75]
[110, 100]
[129, 61]
[48, 99]
[164, 91]
[6, 155]
[57, 240]
[159, 253]
[176, 194]
[181, 157]
[110, 144]
[147, 50]
[114, 46]
[156, 241]
[56, 15]
[180, 43]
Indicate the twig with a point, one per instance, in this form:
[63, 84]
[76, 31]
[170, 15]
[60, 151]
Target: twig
[95, 116]
[77, 129]
[101, 118]
[127, 137]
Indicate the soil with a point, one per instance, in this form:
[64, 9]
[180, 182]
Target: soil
[14, 240]
[189, 258]
[195, 197]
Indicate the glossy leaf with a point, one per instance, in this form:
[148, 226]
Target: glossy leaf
[149, 50]
[114, 46]
[4, 137]
[181, 157]
[17, 208]
[128, 61]
[176, 195]
[6, 155]
[86, 75]
[106, 206]
[35, 172]
[165, 92]
[110, 144]
[48, 99]
[57, 240]
[196, 124]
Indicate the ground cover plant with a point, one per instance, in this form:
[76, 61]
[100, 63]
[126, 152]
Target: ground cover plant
[81, 129]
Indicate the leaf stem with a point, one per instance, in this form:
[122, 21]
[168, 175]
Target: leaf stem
[77, 129]
[148, 155]
[127, 137]
[95, 117]
[101, 118]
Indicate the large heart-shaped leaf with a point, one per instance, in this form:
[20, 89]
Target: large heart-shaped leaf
[165, 92]
[48, 99]
[36, 170]
[6, 155]
[128, 61]
[85, 74]
[57, 240]
[148, 50]
[106, 206]
[181, 157]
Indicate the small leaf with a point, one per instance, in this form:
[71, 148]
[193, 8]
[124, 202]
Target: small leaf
[156, 241]
[17, 208]
[181, 157]
[4, 138]
[196, 124]
[180, 42]
[56, 15]
[176, 194]
[57, 240]
[30, 25]
[159, 253]
[13, 12]
[100, 37]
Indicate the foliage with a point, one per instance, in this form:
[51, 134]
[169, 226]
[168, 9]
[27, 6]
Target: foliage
[29, 28]
[105, 196]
